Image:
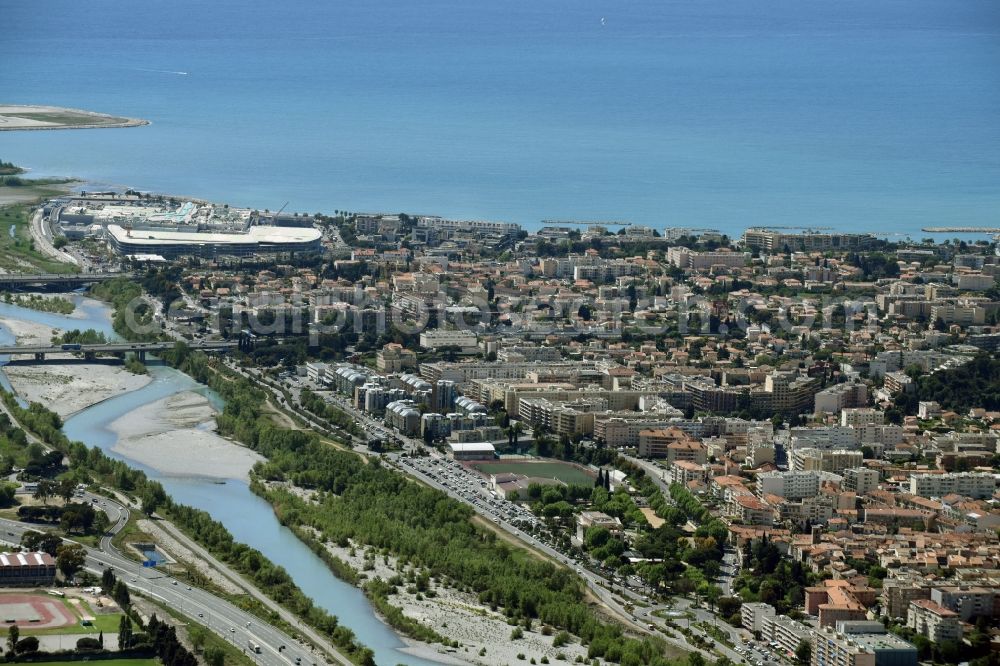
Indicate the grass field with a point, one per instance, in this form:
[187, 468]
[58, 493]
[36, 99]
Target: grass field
[107, 623]
[549, 469]
[17, 250]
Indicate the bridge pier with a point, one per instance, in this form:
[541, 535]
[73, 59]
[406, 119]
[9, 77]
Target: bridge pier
[39, 356]
[142, 355]
[88, 355]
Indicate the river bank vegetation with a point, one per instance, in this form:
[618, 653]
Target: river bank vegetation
[89, 465]
[381, 508]
[56, 304]
[370, 504]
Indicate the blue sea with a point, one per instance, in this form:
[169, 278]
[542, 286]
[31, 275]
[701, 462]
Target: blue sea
[874, 115]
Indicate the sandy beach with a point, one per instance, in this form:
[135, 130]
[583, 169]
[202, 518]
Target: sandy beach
[171, 433]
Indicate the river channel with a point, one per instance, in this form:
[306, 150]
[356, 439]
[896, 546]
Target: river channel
[248, 517]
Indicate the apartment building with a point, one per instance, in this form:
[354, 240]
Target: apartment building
[854, 417]
[440, 338]
[861, 480]
[752, 615]
[840, 396]
[861, 644]
[957, 314]
[465, 372]
[683, 257]
[898, 382]
[684, 471]
[575, 417]
[618, 429]
[830, 649]
[817, 460]
[790, 485]
[774, 241]
[838, 600]
[967, 484]
[933, 621]
[393, 358]
[967, 602]
[897, 593]
[788, 392]
[786, 632]
[673, 444]
[749, 510]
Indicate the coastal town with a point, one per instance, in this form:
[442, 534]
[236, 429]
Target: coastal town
[777, 448]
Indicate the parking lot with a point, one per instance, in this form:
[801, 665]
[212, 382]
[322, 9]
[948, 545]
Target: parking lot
[473, 488]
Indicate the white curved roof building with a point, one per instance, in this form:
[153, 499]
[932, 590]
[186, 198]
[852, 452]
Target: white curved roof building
[257, 240]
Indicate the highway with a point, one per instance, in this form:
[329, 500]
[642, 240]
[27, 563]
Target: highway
[637, 611]
[221, 617]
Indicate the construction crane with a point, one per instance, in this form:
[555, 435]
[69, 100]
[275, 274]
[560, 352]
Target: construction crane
[274, 216]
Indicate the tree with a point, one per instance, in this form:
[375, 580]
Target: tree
[44, 542]
[124, 633]
[803, 653]
[70, 559]
[87, 643]
[153, 496]
[120, 594]
[13, 633]
[7, 493]
[29, 644]
[108, 581]
[65, 489]
[46, 488]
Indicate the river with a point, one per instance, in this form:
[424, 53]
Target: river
[248, 517]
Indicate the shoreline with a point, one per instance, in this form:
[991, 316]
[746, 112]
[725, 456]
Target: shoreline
[101, 120]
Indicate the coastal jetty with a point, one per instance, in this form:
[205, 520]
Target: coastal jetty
[961, 230]
[29, 117]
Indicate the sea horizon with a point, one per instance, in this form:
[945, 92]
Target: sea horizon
[861, 117]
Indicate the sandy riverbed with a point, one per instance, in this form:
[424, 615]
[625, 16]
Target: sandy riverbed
[459, 616]
[30, 333]
[65, 389]
[176, 435]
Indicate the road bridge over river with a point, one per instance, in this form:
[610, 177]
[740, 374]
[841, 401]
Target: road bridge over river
[62, 280]
[140, 349]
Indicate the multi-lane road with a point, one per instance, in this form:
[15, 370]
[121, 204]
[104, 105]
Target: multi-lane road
[223, 618]
[241, 628]
[630, 605]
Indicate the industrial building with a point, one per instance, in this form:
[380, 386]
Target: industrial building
[27, 569]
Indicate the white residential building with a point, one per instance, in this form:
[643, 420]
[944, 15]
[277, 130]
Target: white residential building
[967, 484]
[790, 485]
